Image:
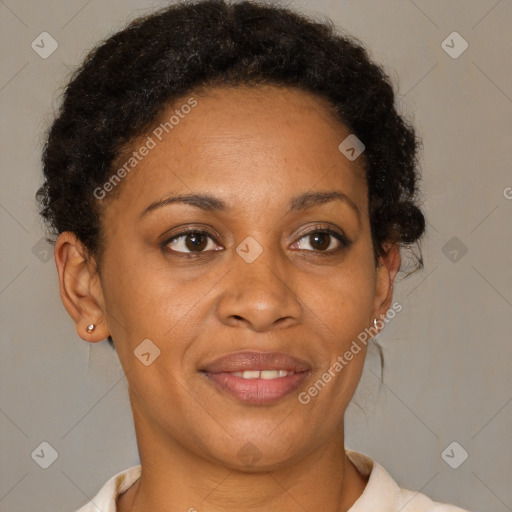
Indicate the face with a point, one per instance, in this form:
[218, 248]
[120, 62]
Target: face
[278, 258]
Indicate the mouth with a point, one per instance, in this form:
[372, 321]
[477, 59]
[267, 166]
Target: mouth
[257, 377]
[263, 374]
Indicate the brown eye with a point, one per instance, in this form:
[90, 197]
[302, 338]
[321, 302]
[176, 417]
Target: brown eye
[191, 241]
[320, 241]
[325, 240]
[196, 241]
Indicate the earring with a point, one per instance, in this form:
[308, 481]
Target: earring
[375, 324]
[90, 327]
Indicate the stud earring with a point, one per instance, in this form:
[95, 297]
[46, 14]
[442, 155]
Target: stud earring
[91, 327]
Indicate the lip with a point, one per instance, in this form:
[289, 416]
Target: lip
[251, 360]
[257, 391]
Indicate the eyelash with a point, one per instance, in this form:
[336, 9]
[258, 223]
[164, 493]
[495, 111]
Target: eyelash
[344, 241]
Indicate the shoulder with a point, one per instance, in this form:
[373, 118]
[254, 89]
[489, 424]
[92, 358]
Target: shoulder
[383, 493]
[411, 501]
[105, 500]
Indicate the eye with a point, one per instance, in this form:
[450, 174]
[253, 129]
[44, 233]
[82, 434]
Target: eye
[199, 241]
[324, 241]
[191, 241]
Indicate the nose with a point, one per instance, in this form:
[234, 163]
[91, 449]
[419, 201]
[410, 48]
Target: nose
[259, 294]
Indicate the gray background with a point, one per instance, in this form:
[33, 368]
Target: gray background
[447, 353]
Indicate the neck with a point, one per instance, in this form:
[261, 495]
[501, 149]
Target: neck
[173, 479]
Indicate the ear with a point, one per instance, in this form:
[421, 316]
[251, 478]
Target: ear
[388, 267]
[80, 287]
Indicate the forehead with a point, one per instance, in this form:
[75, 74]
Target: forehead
[242, 144]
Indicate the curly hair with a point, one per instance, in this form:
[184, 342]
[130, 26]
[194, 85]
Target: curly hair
[126, 82]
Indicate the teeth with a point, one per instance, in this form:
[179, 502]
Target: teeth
[251, 374]
[269, 374]
[264, 374]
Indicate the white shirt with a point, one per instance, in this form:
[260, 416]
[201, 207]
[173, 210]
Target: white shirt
[381, 493]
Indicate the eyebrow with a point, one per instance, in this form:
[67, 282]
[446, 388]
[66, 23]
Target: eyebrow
[212, 204]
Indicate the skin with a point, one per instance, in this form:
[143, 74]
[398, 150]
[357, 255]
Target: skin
[256, 149]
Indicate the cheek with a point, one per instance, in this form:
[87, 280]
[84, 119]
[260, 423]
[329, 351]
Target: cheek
[345, 301]
[147, 299]
[133, 294]
[342, 309]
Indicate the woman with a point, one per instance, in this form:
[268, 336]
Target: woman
[231, 187]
